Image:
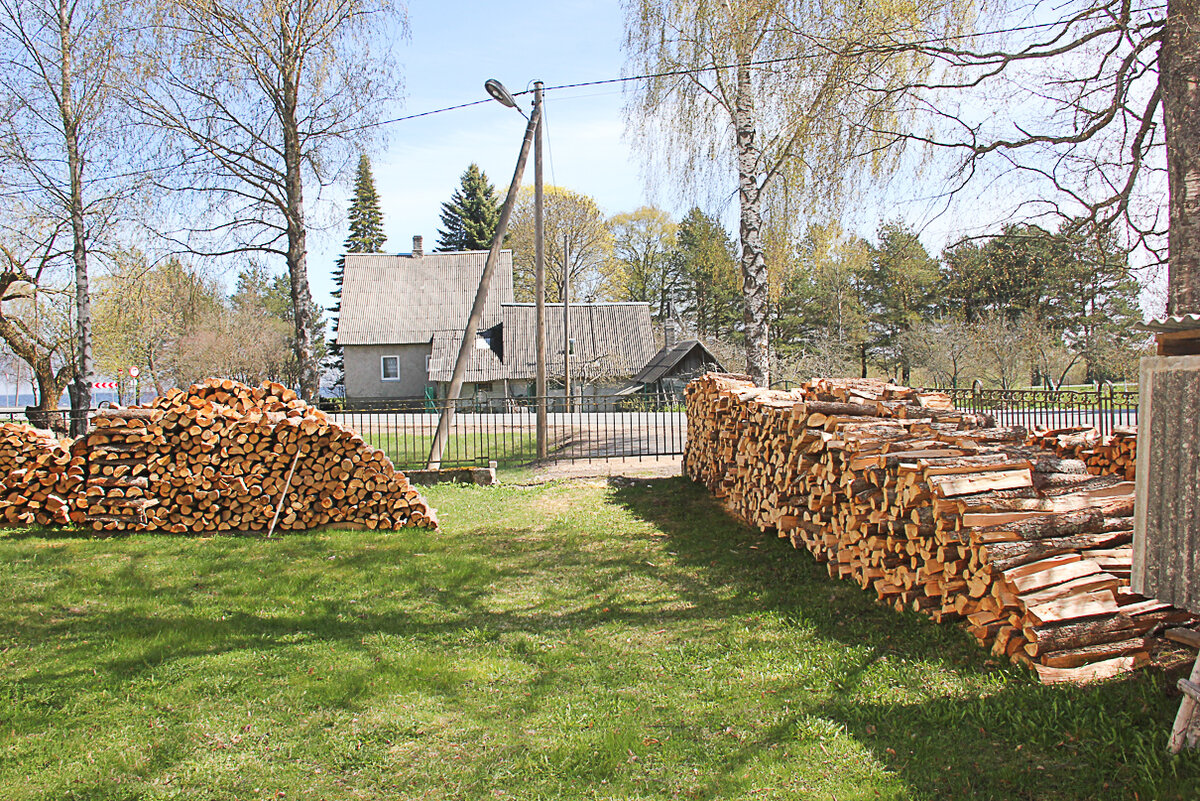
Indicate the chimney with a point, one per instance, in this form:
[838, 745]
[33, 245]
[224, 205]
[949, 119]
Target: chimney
[670, 332]
[418, 250]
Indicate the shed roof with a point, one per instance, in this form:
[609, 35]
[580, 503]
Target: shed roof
[611, 339]
[669, 357]
[483, 364]
[398, 300]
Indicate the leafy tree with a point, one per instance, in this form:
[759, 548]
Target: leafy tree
[68, 65]
[742, 87]
[366, 236]
[819, 309]
[642, 268]
[571, 220]
[708, 288]
[144, 311]
[259, 98]
[1071, 289]
[262, 302]
[470, 216]
[898, 292]
[1081, 111]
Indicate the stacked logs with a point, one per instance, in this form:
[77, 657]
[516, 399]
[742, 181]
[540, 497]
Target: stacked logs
[42, 477]
[934, 512]
[220, 456]
[1114, 455]
[223, 456]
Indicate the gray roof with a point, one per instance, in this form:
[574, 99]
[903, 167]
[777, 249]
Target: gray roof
[398, 300]
[671, 355]
[611, 339]
[482, 365]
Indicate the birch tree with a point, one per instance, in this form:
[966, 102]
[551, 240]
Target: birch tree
[261, 101]
[740, 87]
[64, 66]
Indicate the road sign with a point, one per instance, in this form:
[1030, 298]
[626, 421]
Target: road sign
[133, 372]
[104, 385]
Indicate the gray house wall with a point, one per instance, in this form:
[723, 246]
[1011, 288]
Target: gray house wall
[364, 373]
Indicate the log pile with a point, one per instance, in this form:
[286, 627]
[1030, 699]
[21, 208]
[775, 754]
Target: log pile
[934, 510]
[1114, 455]
[42, 477]
[220, 456]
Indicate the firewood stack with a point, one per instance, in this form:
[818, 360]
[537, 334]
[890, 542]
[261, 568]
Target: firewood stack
[221, 456]
[1114, 455]
[934, 512]
[42, 477]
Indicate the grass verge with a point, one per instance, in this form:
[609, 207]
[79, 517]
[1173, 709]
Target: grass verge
[570, 640]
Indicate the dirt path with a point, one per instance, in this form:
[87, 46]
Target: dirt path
[633, 468]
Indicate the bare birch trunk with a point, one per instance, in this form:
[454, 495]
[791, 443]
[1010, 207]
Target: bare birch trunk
[297, 241]
[1179, 78]
[754, 267]
[81, 399]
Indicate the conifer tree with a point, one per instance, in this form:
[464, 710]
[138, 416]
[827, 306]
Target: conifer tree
[366, 236]
[470, 216]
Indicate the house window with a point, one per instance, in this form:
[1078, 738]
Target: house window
[483, 386]
[389, 368]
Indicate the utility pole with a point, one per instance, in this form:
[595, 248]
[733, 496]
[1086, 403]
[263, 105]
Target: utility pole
[566, 299]
[485, 280]
[539, 275]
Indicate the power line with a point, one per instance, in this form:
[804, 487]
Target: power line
[748, 64]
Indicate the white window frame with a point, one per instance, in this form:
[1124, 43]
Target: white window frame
[383, 376]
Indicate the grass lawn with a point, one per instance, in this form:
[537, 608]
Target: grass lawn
[571, 640]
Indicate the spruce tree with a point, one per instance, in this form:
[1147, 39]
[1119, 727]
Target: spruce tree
[471, 215]
[366, 236]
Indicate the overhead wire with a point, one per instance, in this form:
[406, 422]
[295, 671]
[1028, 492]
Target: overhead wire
[750, 64]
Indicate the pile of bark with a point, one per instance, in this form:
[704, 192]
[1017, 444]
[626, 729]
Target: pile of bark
[43, 476]
[934, 510]
[1114, 455]
[220, 456]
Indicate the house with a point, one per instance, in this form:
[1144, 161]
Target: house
[403, 316]
[669, 370]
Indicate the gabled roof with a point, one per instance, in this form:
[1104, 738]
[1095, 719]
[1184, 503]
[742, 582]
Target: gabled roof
[611, 339]
[398, 300]
[669, 357]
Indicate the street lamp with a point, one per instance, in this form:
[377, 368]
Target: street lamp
[497, 91]
[501, 95]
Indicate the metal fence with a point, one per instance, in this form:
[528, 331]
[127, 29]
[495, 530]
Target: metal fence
[57, 420]
[504, 430]
[1104, 408]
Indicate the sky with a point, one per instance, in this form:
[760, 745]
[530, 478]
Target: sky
[452, 49]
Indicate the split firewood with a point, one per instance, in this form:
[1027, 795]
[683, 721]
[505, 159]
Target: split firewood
[944, 514]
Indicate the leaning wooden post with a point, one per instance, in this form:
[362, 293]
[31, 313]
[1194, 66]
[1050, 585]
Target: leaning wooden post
[485, 280]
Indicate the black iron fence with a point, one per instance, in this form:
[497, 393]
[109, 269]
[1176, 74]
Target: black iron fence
[57, 420]
[504, 430]
[1102, 408]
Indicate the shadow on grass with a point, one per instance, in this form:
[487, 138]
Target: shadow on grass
[1018, 741]
[767, 574]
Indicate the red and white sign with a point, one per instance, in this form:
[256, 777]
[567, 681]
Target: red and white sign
[104, 385]
[133, 372]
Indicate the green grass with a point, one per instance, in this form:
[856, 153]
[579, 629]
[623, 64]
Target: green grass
[411, 451]
[555, 642]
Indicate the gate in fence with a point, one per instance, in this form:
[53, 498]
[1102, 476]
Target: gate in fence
[1103, 408]
[503, 430]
